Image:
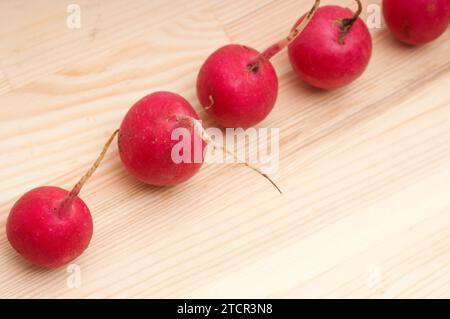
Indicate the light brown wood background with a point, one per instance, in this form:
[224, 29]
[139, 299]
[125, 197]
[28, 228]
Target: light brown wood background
[365, 169]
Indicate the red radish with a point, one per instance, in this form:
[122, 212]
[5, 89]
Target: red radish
[50, 226]
[334, 50]
[231, 93]
[238, 86]
[417, 21]
[145, 142]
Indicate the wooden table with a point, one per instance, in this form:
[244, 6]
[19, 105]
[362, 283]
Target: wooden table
[365, 170]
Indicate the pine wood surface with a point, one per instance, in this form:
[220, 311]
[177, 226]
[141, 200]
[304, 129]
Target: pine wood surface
[365, 170]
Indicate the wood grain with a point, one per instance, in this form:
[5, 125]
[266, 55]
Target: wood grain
[365, 170]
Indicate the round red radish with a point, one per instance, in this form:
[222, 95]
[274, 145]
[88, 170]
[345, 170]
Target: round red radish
[417, 21]
[233, 92]
[50, 226]
[238, 85]
[333, 50]
[146, 142]
[45, 231]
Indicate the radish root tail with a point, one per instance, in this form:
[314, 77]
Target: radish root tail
[77, 188]
[211, 103]
[347, 24]
[277, 47]
[205, 137]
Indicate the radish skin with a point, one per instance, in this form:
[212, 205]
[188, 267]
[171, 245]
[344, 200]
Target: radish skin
[417, 21]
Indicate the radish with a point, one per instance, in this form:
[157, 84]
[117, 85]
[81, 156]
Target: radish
[50, 226]
[334, 50]
[238, 86]
[417, 21]
[146, 142]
